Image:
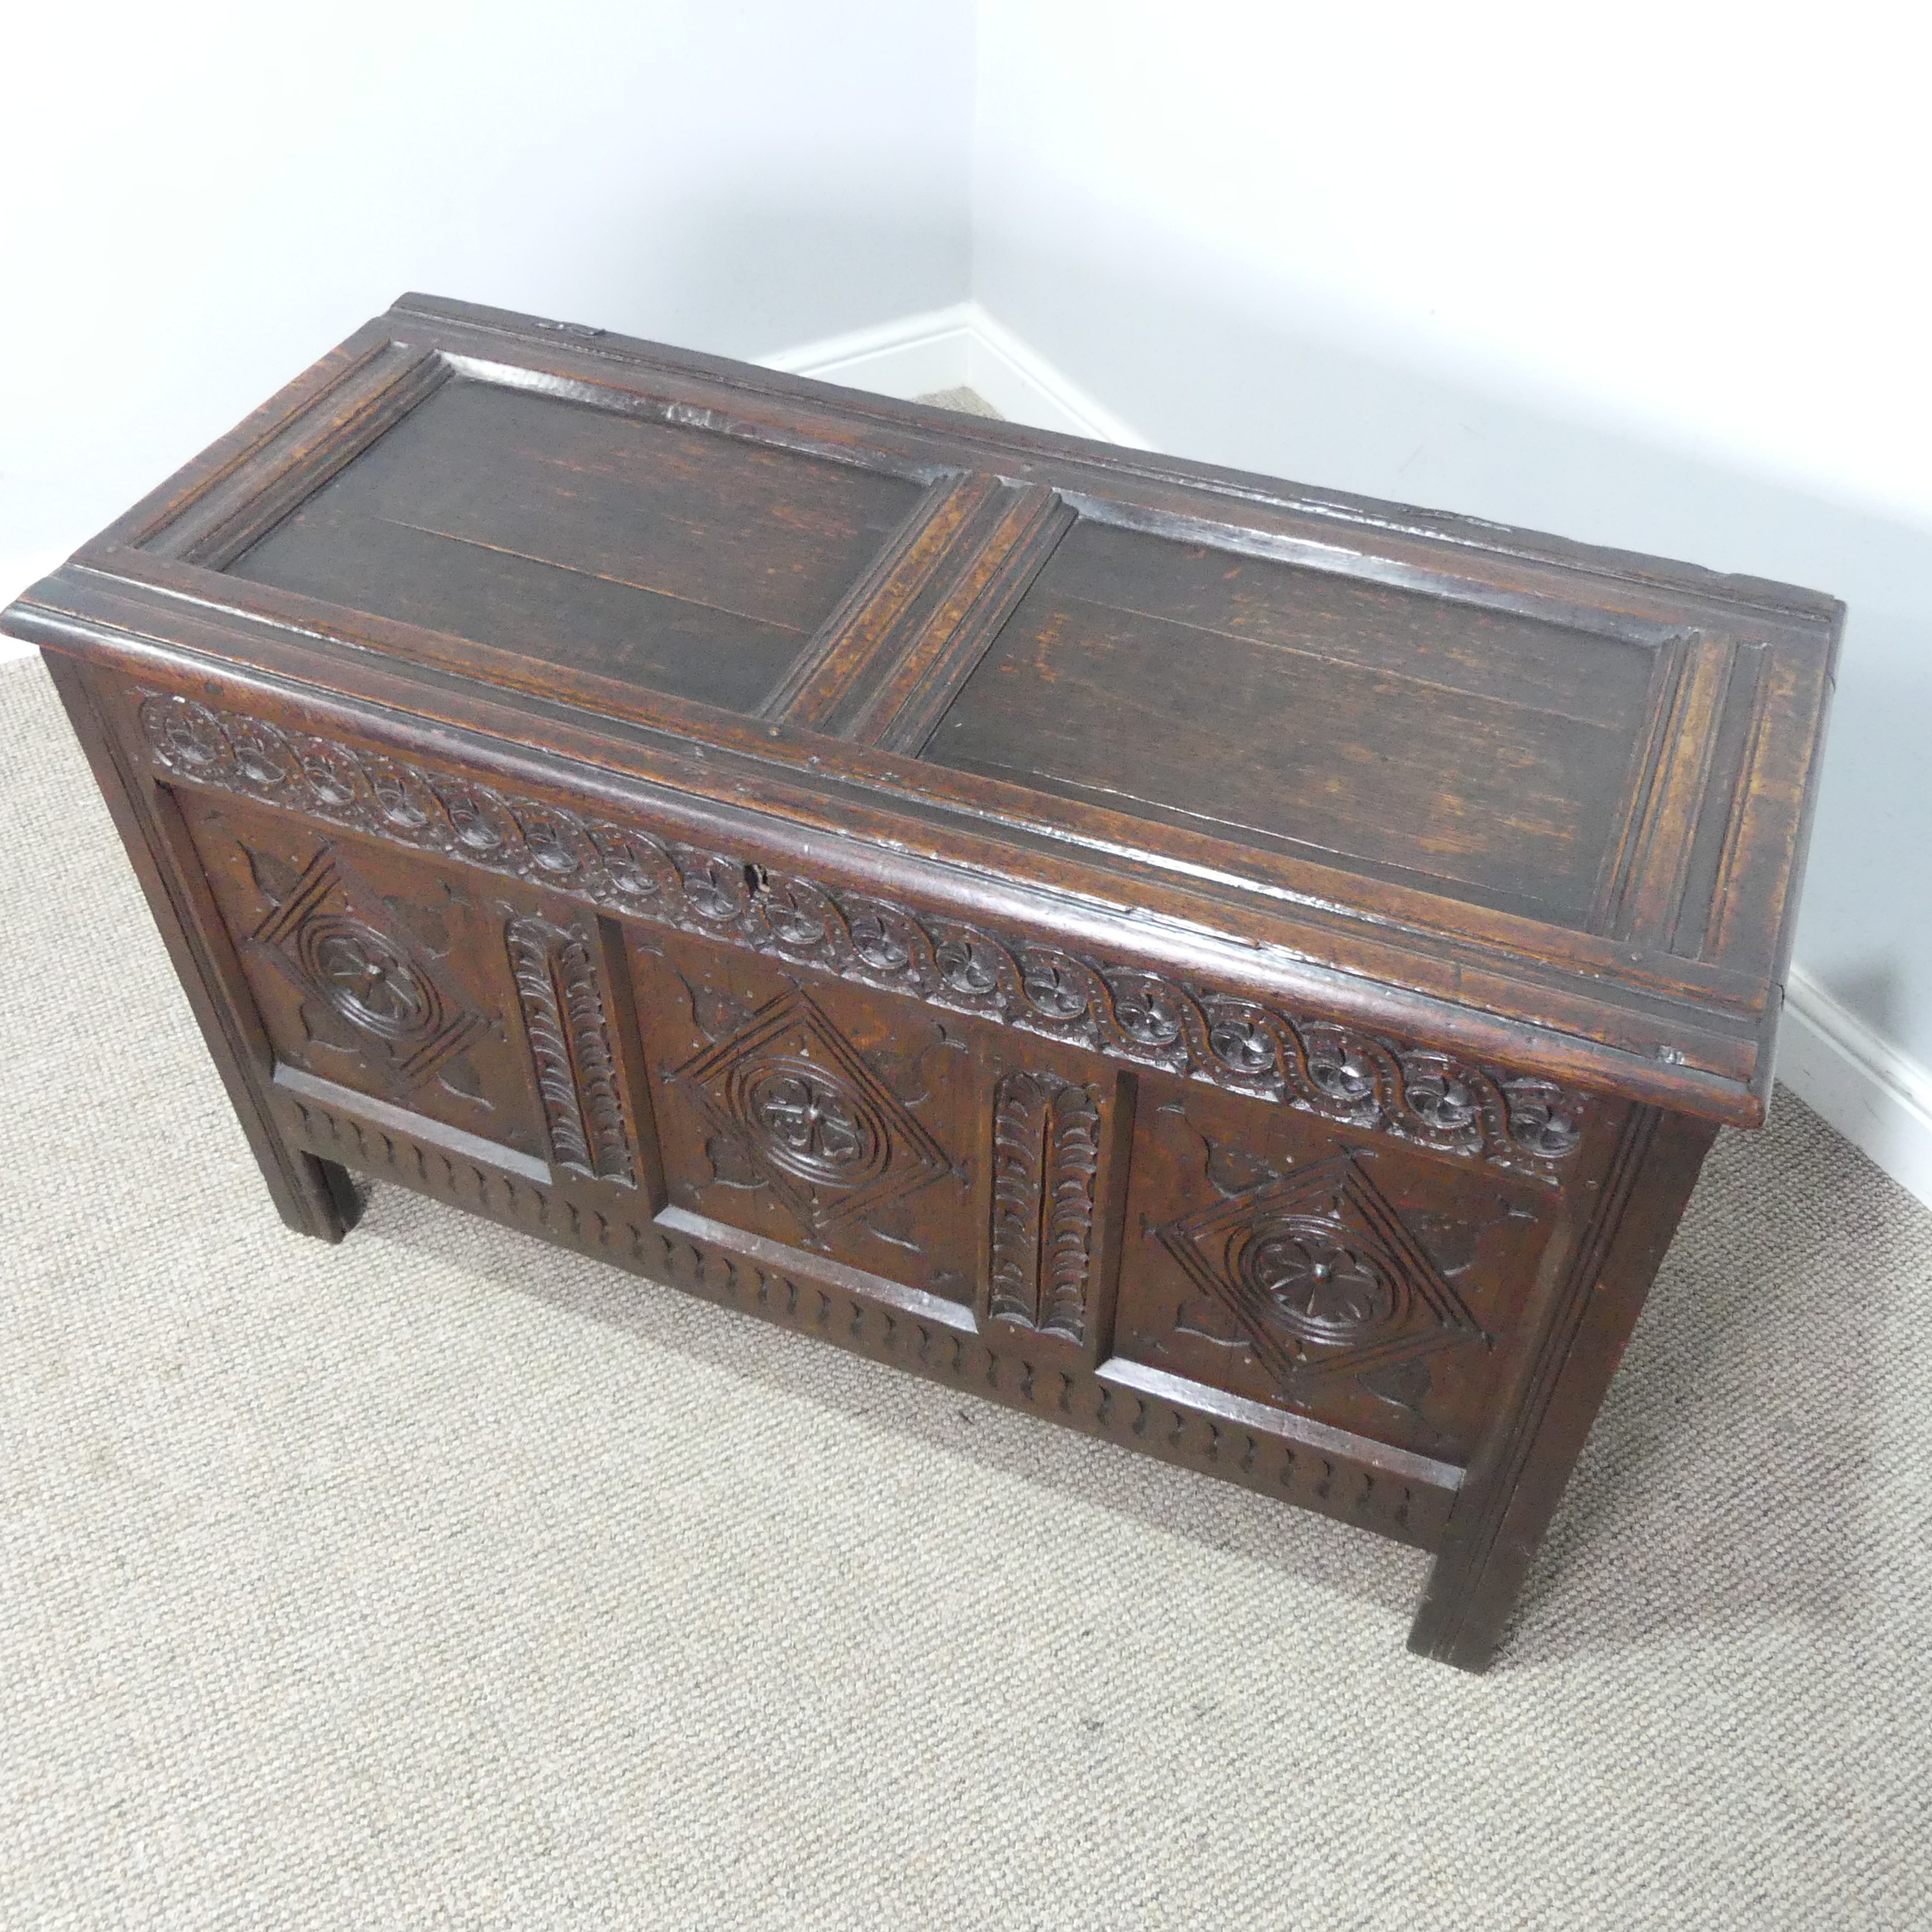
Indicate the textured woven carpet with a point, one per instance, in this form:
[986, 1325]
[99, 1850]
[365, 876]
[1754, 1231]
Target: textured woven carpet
[441, 1579]
[969, 400]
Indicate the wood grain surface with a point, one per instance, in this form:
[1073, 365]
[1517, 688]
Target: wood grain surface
[1244, 970]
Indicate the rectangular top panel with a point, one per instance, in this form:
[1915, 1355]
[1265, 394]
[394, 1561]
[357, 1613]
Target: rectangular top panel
[697, 565]
[1466, 750]
[1546, 797]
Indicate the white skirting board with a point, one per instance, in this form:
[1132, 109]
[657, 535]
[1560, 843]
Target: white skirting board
[1878, 1098]
[959, 347]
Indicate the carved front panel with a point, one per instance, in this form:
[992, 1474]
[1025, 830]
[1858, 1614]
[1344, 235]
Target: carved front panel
[926, 1147]
[437, 995]
[809, 1114]
[1096, 1170]
[1326, 1271]
[1316, 1218]
[388, 975]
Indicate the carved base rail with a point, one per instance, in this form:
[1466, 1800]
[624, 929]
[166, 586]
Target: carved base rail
[1320, 1478]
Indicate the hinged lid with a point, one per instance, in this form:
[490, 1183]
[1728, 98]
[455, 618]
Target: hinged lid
[1490, 789]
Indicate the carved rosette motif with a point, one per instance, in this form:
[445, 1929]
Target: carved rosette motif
[1357, 1080]
[563, 1020]
[1046, 1155]
[795, 1097]
[324, 934]
[1321, 1276]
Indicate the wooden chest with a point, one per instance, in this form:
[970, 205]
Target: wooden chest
[1247, 972]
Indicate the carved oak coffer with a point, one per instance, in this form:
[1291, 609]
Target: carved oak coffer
[1246, 972]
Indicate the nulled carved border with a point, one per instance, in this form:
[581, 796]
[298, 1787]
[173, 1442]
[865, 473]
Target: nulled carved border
[555, 969]
[1046, 1155]
[1360, 1080]
[1335, 1484]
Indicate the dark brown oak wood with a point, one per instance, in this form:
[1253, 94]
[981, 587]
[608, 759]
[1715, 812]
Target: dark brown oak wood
[1581, 1317]
[1248, 972]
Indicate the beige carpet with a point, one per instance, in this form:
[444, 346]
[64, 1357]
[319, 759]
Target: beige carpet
[441, 1579]
[968, 401]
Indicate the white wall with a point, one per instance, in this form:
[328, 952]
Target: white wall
[198, 199]
[1655, 276]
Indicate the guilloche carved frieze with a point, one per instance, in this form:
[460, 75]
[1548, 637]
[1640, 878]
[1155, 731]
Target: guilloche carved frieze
[1364, 1081]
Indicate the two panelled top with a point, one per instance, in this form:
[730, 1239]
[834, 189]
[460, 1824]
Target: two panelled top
[1479, 786]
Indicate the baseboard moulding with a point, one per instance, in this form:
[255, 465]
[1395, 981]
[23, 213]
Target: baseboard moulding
[1877, 1096]
[965, 346]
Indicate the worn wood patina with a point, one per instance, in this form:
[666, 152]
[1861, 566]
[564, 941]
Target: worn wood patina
[1247, 972]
